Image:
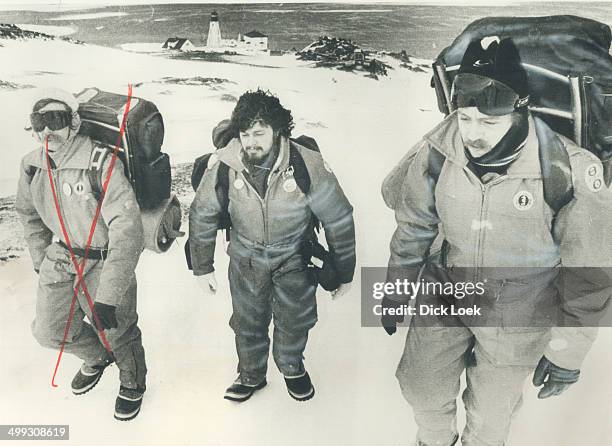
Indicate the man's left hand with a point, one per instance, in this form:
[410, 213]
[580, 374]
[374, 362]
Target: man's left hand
[341, 290]
[554, 378]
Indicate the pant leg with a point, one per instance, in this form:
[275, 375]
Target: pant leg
[429, 375]
[295, 312]
[250, 286]
[125, 340]
[54, 296]
[504, 359]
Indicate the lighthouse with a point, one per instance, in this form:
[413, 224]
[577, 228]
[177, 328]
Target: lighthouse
[214, 33]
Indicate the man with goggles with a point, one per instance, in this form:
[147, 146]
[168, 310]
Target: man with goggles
[56, 175]
[486, 200]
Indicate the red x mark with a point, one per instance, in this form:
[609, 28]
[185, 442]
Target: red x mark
[81, 267]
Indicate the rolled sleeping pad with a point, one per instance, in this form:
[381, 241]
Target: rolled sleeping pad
[162, 225]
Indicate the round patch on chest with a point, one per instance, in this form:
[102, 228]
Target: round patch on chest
[289, 185]
[79, 188]
[593, 176]
[67, 189]
[238, 184]
[523, 200]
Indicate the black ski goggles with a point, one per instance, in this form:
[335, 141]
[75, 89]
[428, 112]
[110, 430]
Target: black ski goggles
[54, 120]
[491, 97]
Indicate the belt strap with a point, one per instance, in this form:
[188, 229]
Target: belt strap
[93, 254]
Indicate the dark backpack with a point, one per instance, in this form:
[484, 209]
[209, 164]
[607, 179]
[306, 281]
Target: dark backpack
[569, 69]
[146, 167]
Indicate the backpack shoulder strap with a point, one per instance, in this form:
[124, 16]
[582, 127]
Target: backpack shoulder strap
[300, 171]
[94, 172]
[222, 190]
[435, 161]
[556, 168]
[222, 186]
[30, 171]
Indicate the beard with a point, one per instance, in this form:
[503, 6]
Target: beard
[255, 154]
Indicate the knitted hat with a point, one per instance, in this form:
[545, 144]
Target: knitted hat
[499, 60]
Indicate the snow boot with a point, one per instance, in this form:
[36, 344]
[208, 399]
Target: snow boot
[240, 392]
[300, 388]
[87, 377]
[128, 403]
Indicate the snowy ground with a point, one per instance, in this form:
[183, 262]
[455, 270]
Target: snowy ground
[363, 127]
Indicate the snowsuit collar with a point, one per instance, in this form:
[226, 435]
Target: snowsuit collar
[75, 156]
[446, 138]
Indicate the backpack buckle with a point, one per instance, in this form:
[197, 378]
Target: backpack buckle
[288, 172]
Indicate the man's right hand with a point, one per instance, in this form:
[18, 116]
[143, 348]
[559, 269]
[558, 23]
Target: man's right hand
[388, 322]
[208, 283]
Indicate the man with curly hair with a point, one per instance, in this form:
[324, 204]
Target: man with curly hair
[272, 216]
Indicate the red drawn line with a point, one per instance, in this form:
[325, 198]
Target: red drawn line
[81, 267]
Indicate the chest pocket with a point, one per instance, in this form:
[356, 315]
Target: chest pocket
[523, 200]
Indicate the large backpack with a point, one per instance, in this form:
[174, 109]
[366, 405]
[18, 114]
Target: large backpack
[146, 167]
[569, 72]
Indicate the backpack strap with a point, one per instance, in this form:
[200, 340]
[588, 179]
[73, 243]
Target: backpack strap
[300, 171]
[556, 168]
[435, 162]
[301, 175]
[222, 191]
[30, 171]
[94, 171]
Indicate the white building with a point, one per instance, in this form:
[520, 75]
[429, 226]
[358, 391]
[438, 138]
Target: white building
[255, 40]
[214, 39]
[179, 44]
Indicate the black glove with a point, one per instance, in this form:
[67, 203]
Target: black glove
[106, 317]
[389, 322]
[555, 379]
[327, 274]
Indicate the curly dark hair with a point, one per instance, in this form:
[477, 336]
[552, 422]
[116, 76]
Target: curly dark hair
[254, 106]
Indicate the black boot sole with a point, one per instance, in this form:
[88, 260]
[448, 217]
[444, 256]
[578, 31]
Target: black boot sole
[241, 400]
[95, 383]
[304, 398]
[129, 418]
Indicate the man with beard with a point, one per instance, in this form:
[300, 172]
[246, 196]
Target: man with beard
[271, 219]
[480, 180]
[63, 158]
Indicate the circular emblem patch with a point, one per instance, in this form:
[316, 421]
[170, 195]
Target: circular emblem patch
[523, 200]
[79, 188]
[593, 176]
[289, 185]
[67, 189]
[238, 184]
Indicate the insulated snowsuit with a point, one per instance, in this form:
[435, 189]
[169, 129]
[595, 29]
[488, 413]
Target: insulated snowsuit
[111, 281]
[502, 223]
[268, 273]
